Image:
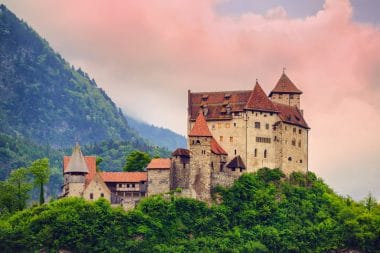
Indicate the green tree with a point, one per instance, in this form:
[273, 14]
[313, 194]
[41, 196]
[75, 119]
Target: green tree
[19, 180]
[40, 171]
[137, 161]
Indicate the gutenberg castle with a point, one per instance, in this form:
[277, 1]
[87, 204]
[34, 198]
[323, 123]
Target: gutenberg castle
[229, 133]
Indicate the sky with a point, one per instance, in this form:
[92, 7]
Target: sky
[147, 54]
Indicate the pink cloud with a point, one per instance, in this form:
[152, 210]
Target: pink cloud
[146, 54]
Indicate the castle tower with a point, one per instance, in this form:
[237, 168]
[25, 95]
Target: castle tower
[285, 92]
[200, 139]
[75, 174]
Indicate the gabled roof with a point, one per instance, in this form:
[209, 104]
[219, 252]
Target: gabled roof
[217, 103]
[216, 148]
[181, 152]
[285, 85]
[77, 164]
[200, 128]
[123, 177]
[259, 101]
[236, 162]
[291, 115]
[159, 163]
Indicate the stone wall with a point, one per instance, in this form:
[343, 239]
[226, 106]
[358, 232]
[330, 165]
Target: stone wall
[180, 172]
[225, 179]
[158, 181]
[287, 99]
[200, 169]
[97, 188]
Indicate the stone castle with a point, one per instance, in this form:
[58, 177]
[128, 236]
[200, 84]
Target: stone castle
[229, 133]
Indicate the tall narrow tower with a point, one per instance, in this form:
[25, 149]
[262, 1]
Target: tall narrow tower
[285, 92]
[200, 151]
[75, 174]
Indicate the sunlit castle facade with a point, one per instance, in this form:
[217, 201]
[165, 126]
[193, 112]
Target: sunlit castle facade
[265, 131]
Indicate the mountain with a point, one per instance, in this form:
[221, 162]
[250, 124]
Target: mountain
[46, 105]
[158, 136]
[45, 99]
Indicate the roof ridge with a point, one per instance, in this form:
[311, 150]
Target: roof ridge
[285, 85]
[200, 127]
[259, 101]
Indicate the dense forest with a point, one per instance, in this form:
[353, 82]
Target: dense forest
[261, 212]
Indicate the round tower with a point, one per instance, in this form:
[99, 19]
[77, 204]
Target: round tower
[75, 174]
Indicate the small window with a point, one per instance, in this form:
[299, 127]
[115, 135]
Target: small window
[291, 96]
[184, 165]
[127, 185]
[257, 125]
[275, 138]
[91, 196]
[227, 125]
[255, 153]
[235, 151]
[231, 139]
[120, 185]
[102, 195]
[300, 161]
[198, 142]
[293, 142]
[294, 130]
[233, 169]
[265, 153]
[300, 131]
[133, 185]
[280, 96]
[267, 126]
[234, 124]
[212, 165]
[289, 159]
[221, 138]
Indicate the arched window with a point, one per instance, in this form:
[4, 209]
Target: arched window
[255, 152]
[198, 142]
[265, 153]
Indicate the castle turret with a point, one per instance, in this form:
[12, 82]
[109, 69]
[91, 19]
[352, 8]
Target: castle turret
[75, 174]
[285, 92]
[200, 148]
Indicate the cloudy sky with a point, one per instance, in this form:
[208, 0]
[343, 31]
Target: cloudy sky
[147, 54]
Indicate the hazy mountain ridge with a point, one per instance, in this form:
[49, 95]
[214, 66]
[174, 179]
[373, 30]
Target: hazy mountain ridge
[159, 136]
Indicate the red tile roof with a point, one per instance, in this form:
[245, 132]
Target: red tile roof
[123, 177]
[159, 163]
[217, 102]
[216, 148]
[259, 101]
[200, 127]
[291, 115]
[181, 152]
[285, 85]
[91, 165]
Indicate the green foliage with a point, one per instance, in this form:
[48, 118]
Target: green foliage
[40, 171]
[261, 212]
[137, 161]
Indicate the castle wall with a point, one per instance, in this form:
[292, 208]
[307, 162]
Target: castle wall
[74, 185]
[287, 99]
[224, 179]
[180, 172]
[96, 189]
[200, 167]
[158, 181]
[294, 148]
[261, 150]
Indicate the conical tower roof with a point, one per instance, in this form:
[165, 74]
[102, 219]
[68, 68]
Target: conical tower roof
[77, 164]
[259, 101]
[200, 128]
[285, 85]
